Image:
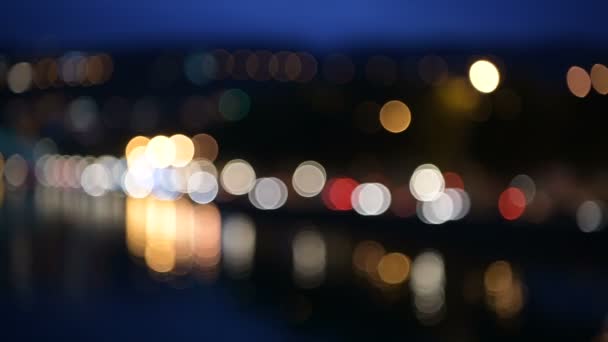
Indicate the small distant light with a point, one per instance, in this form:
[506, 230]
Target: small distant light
[195, 68]
[590, 216]
[309, 258]
[239, 71]
[82, 114]
[395, 116]
[138, 141]
[160, 151]
[205, 146]
[433, 70]
[309, 179]
[426, 183]
[94, 70]
[15, 170]
[484, 76]
[257, 65]
[579, 81]
[599, 78]
[237, 177]
[526, 184]
[202, 187]
[308, 67]
[234, 104]
[512, 203]
[19, 77]
[338, 69]
[293, 66]
[268, 193]
[238, 242]
[184, 150]
[371, 199]
[95, 180]
[394, 268]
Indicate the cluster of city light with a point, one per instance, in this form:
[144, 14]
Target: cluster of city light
[72, 69]
[580, 82]
[283, 66]
[436, 203]
[170, 167]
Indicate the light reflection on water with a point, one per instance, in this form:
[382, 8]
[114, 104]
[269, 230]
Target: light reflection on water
[180, 239]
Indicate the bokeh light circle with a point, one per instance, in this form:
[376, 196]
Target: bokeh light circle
[512, 203]
[160, 151]
[394, 268]
[426, 183]
[370, 199]
[309, 178]
[237, 177]
[484, 76]
[590, 216]
[395, 116]
[202, 187]
[184, 150]
[268, 193]
[578, 81]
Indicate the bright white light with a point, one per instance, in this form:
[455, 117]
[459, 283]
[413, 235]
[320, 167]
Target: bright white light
[461, 202]
[371, 199]
[238, 244]
[309, 258]
[427, 183]
[268, 193]
[309, 178]
[590, 216]
[437, 211]
[160, 151]
[95, 180]
[237, 177]
[484, 76]
[202, 187]
[138, 183]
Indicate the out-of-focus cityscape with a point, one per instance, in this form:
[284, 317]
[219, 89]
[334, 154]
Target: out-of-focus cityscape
[269, 191]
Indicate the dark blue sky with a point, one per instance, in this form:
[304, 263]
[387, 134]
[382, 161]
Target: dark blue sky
[313, 23]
